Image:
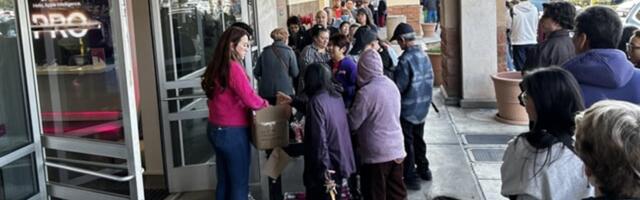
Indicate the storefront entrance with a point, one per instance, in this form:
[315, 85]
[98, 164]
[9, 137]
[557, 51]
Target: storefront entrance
[186, 34]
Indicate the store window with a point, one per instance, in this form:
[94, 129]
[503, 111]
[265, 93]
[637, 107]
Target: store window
[18, 179]
[15, 131]
[76, 68]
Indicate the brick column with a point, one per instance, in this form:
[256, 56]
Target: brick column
[451, 68]
[451, 56]
[501, 20]
[412, 12]
[502, 49]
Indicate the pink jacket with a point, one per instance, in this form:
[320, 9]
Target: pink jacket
[231, 107]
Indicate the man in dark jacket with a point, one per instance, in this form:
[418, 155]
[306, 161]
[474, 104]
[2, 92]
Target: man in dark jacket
[297, 33]
[602, 71]
[556, 23]
[414, 78]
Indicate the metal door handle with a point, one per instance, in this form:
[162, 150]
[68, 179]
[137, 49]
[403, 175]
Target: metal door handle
[89, 172]
[193, 96]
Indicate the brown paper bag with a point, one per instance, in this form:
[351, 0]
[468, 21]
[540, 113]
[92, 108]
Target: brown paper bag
[271, 127]
[276, 163]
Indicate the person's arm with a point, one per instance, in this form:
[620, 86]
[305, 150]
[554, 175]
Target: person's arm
[393, 54]
[316, 123]
[402, 75]
[294, 71]
[352, 71]
[257, 71]
[305, 57]
[239, 84]
[358, 112]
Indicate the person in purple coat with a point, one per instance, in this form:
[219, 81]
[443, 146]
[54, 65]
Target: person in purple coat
[375, 119]
[343, 68]
[328, 155]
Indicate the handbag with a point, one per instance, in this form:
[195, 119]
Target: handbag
[286, 66]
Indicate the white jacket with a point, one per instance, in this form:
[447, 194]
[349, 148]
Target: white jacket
[561, 177]
[524, 27]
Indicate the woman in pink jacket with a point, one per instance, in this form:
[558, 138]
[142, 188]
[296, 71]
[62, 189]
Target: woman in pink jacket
[231, 99]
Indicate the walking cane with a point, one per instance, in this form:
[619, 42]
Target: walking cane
[435, 107]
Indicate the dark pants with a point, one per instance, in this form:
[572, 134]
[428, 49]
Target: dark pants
[520, 54]
[354, 183]
[416, 150]
[383, 181]
[233, 156]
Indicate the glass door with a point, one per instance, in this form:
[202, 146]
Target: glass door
[87, 104]
[187, 33]
[21, 166]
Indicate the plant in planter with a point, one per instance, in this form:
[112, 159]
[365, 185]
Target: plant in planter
[435, 56]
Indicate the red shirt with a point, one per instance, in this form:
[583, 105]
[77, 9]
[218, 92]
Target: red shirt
[338, 12]
[232, 106]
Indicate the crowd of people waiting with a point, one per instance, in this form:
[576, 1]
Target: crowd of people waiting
[572, 62]
[364, 107]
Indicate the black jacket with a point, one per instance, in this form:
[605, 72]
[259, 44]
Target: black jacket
[555, 50]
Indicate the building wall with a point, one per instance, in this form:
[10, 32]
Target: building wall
[283, 12]
[303, 8]
[152, 144]
[403, 2]
[453, 56]
[413, 12]
[266, 23]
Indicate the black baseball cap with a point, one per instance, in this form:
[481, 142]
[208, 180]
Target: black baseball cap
[363, 36]
[402, 29]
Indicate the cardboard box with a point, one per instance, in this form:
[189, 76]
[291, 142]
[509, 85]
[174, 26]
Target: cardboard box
[271, 127]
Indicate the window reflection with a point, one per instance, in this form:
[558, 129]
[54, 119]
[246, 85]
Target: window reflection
[76, 68]
[14, 127]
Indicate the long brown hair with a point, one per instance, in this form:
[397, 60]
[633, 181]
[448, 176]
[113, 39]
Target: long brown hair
[217, 74]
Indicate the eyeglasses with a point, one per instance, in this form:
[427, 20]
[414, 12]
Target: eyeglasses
[523, 98]
[631, 47]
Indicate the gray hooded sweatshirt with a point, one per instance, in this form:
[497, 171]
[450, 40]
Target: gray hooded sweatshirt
[528, 174]
[375, 113]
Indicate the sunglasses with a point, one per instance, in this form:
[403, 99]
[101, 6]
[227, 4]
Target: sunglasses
[522, 97]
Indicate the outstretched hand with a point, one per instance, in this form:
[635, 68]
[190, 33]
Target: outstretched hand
[282, 98]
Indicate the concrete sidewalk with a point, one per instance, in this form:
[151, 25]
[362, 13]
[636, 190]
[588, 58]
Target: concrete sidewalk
[465, 148]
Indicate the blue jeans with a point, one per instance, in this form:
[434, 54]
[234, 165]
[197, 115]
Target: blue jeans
[233, 156]
[520, 55]
[432, 16]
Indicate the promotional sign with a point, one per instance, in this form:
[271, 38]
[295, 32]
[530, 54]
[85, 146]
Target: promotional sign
[61, 19]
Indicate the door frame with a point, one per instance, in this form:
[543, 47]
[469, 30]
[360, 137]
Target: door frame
[177, 178]
[129, 150]
[31, 102]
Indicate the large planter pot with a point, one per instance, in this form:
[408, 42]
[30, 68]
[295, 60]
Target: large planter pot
[436, 62]
[507, 89]
[429, 29]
